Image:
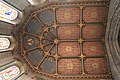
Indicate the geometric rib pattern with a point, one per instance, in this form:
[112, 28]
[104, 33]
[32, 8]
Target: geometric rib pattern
[66, 42]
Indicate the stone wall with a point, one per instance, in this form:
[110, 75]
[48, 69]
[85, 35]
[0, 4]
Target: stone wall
[5, 28]
[6, 58]
[112, 31]
[19, 4]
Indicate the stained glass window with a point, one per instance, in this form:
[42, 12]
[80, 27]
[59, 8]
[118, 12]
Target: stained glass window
[9, 73]
[7, 12]
[4, 43]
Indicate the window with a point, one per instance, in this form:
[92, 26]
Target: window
[9, 73]
[36, 2]
[7, 12]
[4, 43]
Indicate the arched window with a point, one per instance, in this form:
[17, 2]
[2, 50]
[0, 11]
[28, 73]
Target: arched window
[4, 43]
[7, 12]
[36, 2]
[9, 73]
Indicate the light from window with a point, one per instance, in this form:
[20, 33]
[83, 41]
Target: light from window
[36, 2]
[7, 12]
[4, 43]
[9, 73]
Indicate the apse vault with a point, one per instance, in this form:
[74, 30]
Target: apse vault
[66, 40]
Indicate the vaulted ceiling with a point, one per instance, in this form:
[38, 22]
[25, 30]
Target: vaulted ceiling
[66, 40]
[63, 40]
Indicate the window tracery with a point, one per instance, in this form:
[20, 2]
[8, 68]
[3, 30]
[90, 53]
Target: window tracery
[9, 73]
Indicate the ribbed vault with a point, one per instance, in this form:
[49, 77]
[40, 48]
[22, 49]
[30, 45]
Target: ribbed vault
[67, 40]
